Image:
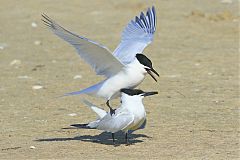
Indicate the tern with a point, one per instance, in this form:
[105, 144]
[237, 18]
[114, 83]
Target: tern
[129, 116]
[126, 67]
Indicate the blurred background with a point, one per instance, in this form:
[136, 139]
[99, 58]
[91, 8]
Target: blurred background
[195, 50]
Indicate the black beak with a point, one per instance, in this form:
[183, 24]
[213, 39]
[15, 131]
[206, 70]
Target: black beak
[150, 73]
[145, 94]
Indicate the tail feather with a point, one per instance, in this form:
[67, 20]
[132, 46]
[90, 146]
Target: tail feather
[74, 93]
[89, 90]
[84, 126]
[94, 124]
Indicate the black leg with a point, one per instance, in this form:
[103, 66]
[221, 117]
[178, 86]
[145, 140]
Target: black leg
[113, 138]
[112, 111]
[126, 138]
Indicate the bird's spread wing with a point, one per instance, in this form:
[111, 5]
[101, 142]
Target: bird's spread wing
[136, 36]
[98, 56]
[115, 122]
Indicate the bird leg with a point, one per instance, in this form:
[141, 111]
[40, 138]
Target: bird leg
[112, 111]
[113, 138]
[126, 139]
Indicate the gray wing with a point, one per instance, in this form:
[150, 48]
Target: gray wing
[136, 36]
[98, 56]
[115, 122]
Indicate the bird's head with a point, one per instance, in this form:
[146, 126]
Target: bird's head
[147, 64]
[134, 94]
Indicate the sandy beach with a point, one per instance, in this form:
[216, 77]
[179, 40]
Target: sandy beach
[195, 51]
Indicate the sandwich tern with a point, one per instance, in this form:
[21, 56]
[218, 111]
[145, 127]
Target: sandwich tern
[129, 116]
[126, 67]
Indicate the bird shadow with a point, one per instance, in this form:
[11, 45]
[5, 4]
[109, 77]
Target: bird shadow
[103, 138]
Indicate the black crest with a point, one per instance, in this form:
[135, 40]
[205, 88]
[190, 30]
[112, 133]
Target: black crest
[131, 92]
[144, 60]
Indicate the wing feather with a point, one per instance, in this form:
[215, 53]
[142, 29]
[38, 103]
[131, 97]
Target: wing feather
[136, 36]
[116, 122]
[95, 54]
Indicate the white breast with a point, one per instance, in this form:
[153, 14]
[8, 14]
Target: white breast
[136, 107]
[130, 77]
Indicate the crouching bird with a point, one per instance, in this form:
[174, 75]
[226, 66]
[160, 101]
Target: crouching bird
[130, 115]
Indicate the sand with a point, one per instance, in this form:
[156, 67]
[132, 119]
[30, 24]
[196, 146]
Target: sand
[195, 50]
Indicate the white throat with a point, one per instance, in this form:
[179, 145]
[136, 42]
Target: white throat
[131, 101]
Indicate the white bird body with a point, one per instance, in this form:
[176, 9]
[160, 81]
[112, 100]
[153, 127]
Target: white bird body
[135, 106]
[126, 67]
[129, 77]
[130, 115]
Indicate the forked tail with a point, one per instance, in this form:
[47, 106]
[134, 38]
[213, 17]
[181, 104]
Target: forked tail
[94, 124]
[90, 90]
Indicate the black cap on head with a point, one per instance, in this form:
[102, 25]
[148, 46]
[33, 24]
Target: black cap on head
[147, 62]
[144, 60]
[131, 92]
